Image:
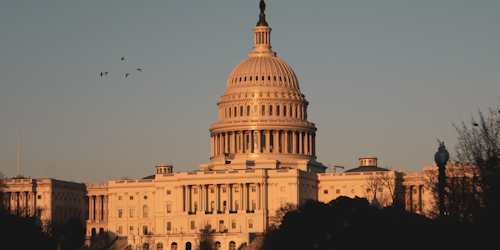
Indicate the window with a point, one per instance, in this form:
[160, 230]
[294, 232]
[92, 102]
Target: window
[235, 113]
[283, 204]
[188, 245]
[195, 190]
[236, 205]
[278, 110]
[209, 224]
[212, 190]
[253, 189]
[250, 223]
[169, 226]
[248, 110]
[236, 190]
[241, 110]
[39, 197]
[263, 110]
[271, 110]
[217, 245]
[233, 224]
[145, 246]
[119, 198]
[169, 192]
[131, 213]
[325, 191]
[159, 246]
[254, 204]
[131, 197]
[174, 246]
[145, 197]
[144, 230]
[169, 208]
[145, 211]
[282, 188]
[131, 229]
[224, 190]
[212, 206]
[120, 230]
[192, 224]
[195, 206]
[120, 213]
[284, 110]
[337, 191]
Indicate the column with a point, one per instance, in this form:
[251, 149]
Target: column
[252, 150]
[301, 143]
[259, 141]
[225, 142]
[294, 150]
[268, 141]
[277, 139]
[309, 142]
[241, 196]
[221, 144]
[228, 204]
[314, 144]
[243, 141]
[212, 145]
[217, 194]
[286, 141]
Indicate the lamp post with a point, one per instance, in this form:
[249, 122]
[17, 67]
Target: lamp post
[441, 158]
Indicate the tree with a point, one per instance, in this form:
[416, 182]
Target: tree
[206, 239]
[473, 177]
[277, 218]
[386, 186]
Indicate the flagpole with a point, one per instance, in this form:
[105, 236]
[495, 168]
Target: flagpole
[19, 157]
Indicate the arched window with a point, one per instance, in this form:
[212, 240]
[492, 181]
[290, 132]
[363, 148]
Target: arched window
[278, 110]
[159, 246]
[263, 110]
[229, 112]
[217, 245]
[235, 113]
[188, 245]
[284, 110]
[145, 211]
[262, 78]
[291, 107]
[250, 78]
[270, 109]
[248, 110]
[174, 246]
[296, 107]
[300, 111]
[241, 110]
[145, 246]
[232, 245]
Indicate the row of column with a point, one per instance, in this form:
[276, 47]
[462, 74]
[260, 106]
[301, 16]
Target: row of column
[98, 205]
[263, 141]
[204, 199]
[415, 201]
[297, 111]
[26, 209]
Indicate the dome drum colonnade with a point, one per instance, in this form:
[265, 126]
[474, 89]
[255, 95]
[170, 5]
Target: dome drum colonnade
[263, 114]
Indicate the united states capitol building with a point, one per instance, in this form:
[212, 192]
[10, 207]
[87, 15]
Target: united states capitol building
[263, 157]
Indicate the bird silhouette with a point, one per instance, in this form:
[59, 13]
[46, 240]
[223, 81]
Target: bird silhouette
[126, 75]
[475, 124]
[123, 58]
[106, 73]
[139, 70]
[101, 74]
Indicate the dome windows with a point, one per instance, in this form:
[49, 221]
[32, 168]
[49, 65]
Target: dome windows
[271, 110]
[278, 110]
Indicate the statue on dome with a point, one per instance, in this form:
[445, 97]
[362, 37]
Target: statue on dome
[262, 16]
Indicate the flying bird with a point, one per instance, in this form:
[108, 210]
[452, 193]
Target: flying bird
[126, 75]
[101, 74]
[475, 124]
[139, 70]
[123, 58]
[106, 73]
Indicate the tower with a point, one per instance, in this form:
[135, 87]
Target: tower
[263, 114]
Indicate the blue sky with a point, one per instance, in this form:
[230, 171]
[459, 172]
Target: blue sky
[383, 78]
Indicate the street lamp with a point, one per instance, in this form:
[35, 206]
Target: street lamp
[441, 158]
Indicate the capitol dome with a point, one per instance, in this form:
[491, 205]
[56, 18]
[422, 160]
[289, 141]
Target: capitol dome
[263, 115]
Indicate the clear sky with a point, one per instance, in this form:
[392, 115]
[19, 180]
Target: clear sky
[383, 78]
